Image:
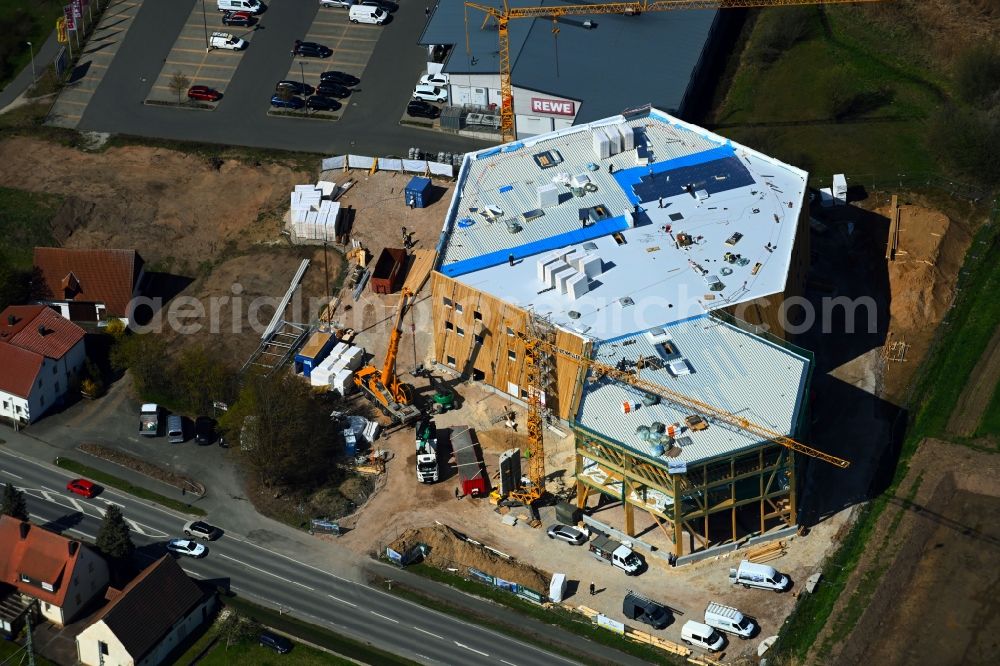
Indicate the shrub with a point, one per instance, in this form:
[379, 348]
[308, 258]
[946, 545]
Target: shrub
[977, 76]
[115, 328]
[780, 29]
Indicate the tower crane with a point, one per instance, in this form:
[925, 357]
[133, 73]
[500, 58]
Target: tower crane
[503, 15]
[535, 348]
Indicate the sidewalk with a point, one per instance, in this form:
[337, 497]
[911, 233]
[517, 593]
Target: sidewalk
[539, 630]
[43, 58]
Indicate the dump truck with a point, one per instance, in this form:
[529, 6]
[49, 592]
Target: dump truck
[428, 469]
[471, 474]
[606, 549]
[149, 420]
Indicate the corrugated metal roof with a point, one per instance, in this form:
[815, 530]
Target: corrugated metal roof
[729, 369]
[623, 61]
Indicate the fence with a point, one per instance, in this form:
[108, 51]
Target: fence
[424, 167]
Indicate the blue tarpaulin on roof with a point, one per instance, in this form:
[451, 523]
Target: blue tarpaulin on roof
[647, 183]
[595, 230]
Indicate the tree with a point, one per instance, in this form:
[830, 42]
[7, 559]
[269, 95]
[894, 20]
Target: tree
[179, 84]
[202, 379]
[295, 441]
[235, 629]
[114, 539]
[14, 504]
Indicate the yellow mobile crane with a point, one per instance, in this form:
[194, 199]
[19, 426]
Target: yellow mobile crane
[503, 15]
[534, 348]
[383, 387]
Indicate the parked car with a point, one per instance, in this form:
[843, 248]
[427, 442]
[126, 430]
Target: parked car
[310, 49]
[321, 103]
[290, 103]
[384, 5]
[702, 635]
[296, 87]
[440, 79]
[83, 488]
[238, 18]
[367, 14]
[637, 607]
[279, 644]
[429, 93]
[186, 547]
[567, 534]
[204, 94]
[200, 530]
[204, 430]
[225, 40]
[175, 429]
[331, 89]
[421, 109]
[342, 78]
[343, 4]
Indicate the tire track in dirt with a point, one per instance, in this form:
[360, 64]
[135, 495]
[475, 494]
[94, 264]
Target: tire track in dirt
[968, 411]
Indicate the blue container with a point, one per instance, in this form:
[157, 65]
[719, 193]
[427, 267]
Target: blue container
[417, 192]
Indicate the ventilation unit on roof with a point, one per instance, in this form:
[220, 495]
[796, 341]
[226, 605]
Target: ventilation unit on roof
[548, 196]
[626, 301]
[589, 246]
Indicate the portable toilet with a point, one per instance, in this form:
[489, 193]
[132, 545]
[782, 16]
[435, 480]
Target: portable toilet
[313, 352]
[418, 192]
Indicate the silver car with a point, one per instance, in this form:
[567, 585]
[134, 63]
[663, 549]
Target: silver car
[346, 4]
[566, 533]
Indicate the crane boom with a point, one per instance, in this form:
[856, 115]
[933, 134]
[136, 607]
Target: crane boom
[388, 376]
[687, 403]
[502, 15]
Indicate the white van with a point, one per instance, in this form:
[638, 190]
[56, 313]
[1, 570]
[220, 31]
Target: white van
[252, 6]
[728, 619]
[366, 14]
[224, 40]
[702, 635]
[750, 574]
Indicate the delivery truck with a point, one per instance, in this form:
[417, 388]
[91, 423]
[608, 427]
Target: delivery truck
[471, 474]
[728, 619]
[637, 607]
[427, 452]
[149, 420]
[606, 549]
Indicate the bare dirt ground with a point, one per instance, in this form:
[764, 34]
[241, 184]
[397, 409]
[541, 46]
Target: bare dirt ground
[922, 283]
[937, 550]
[978, 391]
[176, 209]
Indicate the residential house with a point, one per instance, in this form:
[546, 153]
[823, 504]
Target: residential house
[147, 619]
[42, 357]
[89, 285]
[63, 574]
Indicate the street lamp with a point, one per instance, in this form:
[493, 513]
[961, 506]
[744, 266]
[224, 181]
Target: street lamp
[302, 73]
[31, 49]
[204, 20]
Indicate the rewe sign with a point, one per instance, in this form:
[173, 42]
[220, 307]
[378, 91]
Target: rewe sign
[556, 107]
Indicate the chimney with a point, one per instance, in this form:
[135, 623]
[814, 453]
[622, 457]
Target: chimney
[11, 320]
[73, 547]
[25, 528]
[41, 330]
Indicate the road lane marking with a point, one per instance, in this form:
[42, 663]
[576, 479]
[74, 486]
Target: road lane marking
[292, 559]
[384, 617]
[264, 571]
[507, 662]
[471, 649]
[12, 474]
[89, 536]
[343, 601]
[424, 631]
[311, 589]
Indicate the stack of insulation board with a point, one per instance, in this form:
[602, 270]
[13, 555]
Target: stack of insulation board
[313, 214]
[337, 370]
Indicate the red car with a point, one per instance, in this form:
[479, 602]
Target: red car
[204, 93]
[82, 487]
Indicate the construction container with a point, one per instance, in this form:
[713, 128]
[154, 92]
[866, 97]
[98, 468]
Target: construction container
[417, 193]
[469, 459]
[387, 276]
[313, 352]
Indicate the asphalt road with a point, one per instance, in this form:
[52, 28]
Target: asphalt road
[307, 592]
[370, 127]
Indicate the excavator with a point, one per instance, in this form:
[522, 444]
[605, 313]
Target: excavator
[383, 387]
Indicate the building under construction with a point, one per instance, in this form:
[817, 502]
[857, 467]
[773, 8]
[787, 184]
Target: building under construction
[651, 256]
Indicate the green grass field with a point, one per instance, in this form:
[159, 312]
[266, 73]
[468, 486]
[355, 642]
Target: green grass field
[786, 107]
[252, 653]
[24, 223]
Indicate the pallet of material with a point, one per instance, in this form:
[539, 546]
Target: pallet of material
[655, 641]
[590, 613]
[767, 552]
[704, 660]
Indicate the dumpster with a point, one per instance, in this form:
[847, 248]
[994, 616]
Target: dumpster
[388, 272]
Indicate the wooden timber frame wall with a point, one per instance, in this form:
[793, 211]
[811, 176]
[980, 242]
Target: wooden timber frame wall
[475, 334]
[758, 484]
[765, 312]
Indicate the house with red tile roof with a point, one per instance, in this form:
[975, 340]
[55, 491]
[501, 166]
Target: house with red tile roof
[89, 285]
[147, 620]
[41, 356]
[63, 574]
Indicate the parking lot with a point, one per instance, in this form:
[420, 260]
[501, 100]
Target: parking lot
[213, 68]
[352, 45]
